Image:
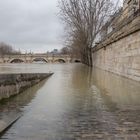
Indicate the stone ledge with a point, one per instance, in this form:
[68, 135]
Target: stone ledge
[4, 125]
[12, 84]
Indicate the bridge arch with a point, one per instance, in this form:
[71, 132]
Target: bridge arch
[77, 61]
[39, 59]
[16, 60]
[60, 61]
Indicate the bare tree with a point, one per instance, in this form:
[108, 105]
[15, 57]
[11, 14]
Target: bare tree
[7, 49]
[65, 50]
[85, 19]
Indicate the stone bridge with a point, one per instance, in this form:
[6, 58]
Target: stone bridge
[31, 58]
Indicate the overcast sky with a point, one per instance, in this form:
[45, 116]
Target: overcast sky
[30, 24]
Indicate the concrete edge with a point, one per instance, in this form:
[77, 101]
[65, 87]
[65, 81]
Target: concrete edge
[9, 124]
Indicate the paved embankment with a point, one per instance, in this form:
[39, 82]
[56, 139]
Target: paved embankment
[12, 84]
[6, 124]
[120, 51]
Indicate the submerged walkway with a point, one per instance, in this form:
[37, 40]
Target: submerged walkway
[76, 103]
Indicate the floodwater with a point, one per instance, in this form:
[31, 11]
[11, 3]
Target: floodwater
[76, 103]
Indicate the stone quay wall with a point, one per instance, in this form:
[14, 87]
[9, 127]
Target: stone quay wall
[12, 84]
[119, 52]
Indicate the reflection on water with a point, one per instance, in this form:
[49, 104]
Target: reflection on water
[76, 103]
[10, 108]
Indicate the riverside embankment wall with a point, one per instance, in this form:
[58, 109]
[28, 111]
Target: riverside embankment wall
[120, 51]
[12, 84]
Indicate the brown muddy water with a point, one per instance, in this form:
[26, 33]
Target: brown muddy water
[76, 103]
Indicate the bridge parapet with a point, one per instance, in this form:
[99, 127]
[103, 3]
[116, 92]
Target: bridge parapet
[30, 58]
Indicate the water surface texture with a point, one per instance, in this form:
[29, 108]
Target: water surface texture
[76, 103]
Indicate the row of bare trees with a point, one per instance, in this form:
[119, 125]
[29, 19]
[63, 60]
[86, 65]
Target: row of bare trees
[84, 20]
[6, 49]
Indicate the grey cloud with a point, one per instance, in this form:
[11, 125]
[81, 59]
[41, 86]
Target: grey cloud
[30, 24]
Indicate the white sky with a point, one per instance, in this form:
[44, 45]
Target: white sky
[31, 24]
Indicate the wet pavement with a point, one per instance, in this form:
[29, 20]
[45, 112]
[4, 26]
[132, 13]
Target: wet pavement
[76, 103]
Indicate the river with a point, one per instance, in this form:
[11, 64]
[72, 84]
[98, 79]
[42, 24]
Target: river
[76, 103]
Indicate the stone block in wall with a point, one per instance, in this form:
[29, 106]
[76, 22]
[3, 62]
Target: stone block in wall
[122, 56]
